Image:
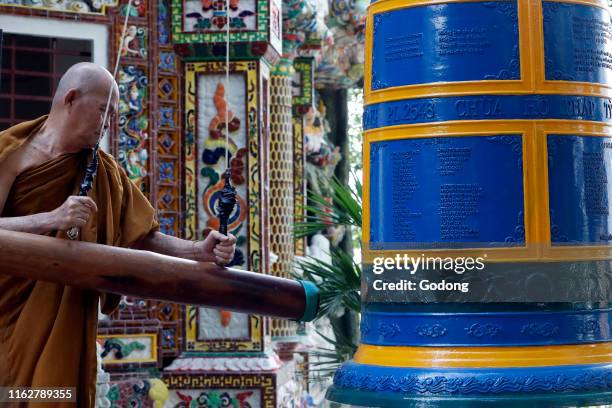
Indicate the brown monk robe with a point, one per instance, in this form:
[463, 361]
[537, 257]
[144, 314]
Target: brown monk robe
[48, 331]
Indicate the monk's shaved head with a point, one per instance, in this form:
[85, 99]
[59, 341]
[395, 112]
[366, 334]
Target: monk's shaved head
[80, 102]
[86, 78]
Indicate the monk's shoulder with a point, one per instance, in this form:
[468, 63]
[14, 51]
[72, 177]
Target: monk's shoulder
[8, 174]
[13, 138]
[20, 160]
[10, 163]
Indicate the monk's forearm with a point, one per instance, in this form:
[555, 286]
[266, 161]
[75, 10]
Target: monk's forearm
[169, 245]
[34, 224]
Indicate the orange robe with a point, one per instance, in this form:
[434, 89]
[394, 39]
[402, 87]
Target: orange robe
[47, 330]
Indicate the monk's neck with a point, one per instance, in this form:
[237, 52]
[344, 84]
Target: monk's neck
[50, 139]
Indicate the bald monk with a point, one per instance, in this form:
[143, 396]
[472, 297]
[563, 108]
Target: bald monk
[48, 331]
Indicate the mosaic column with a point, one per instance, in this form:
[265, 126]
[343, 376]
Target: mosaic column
[226, 358]
[281, 187]
[302, 93]
[132, 147]
[168, 158]
[487, 159]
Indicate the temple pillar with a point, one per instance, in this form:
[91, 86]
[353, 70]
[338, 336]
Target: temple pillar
[303, 101]
[226, 356]
[281, 188]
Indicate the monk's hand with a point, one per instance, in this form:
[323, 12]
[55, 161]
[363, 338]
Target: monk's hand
[216, 247]
[75, 212]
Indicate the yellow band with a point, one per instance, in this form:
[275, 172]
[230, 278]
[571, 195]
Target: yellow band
[531, 40]
[480, 357]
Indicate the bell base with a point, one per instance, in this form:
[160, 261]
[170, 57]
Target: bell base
[392, 400]
[547, 386]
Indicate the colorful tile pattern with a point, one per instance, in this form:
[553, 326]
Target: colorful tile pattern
[99, 7]
[135, 42]
[133, 153]
[169, 145]
[205, 103]
[185, 29]
[265, 383]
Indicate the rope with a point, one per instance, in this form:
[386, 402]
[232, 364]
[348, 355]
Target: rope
[227, 74]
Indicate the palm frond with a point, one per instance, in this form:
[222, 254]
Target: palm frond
[343, 207]
[338, 282]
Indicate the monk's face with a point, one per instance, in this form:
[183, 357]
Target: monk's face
[85, 116]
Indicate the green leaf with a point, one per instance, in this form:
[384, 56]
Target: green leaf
[338, 282]
[343, 207]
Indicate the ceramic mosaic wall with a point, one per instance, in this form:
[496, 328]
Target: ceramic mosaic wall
[169, 126]
[147, 393]
[256, 390]
[209, 15]
[135, 42]
[133, 153]
[213, 398]
[199, 25]
[302, 93]
[251, 26]
[299, 181]
[129, 344]
[167, 195]
[169, 316]
[141, 348]
[205, 153]
[138, 10]
[213, 101]
[207, 100]
[302, 84]
[99, 7]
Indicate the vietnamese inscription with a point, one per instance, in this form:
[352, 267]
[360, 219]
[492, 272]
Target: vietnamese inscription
[591, 38]
[464, 41]
[404, 47]
[595, 184]
[405, 184]
[457, 203]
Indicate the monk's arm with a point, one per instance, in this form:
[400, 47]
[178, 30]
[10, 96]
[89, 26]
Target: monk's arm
[216, 247]
[34, 224]
[164, 244]
[74, 212]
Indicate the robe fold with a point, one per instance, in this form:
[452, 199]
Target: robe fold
[47, 330]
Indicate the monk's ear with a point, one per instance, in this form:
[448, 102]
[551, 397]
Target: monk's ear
[70, 96]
